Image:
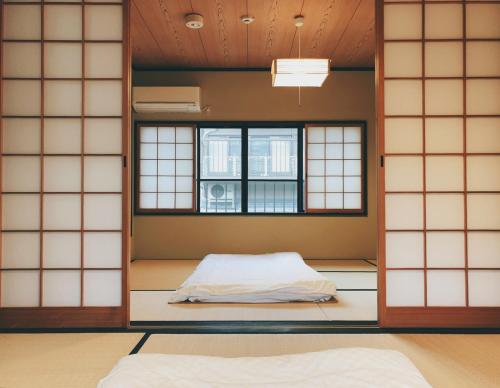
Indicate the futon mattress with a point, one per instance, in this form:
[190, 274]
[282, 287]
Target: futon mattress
[345, 367]
[268, 278]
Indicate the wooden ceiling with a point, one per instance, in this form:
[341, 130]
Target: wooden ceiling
[343, 30]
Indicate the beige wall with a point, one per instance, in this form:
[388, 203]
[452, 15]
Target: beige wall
[249, 96]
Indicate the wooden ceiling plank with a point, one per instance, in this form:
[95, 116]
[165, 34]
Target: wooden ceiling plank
[187, 41]
[358, 41]
[145, 49]
[342, 29]
[224, 36]
[258, 30]
[181, 46]
[365, 57]
[150, 10]
[271, 34]
[325, 22]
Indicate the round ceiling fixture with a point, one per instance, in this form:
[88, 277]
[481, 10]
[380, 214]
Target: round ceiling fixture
[247, 19]
[194, 21]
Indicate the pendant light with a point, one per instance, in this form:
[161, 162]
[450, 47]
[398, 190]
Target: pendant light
[299, 72]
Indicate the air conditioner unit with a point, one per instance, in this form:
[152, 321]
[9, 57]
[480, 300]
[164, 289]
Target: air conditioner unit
[159, 99]
[221, 196]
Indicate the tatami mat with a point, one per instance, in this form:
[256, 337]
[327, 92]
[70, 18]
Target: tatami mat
[152, 281]
[153, 306]
[446, 360]
[341, 265]
[160, 274]
[351, 305]
[353, 280]
[60, 360]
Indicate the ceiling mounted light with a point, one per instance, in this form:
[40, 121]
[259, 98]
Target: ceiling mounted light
[247, 19]
[299, 72]
[193, 21]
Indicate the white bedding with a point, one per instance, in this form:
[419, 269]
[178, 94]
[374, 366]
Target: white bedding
[345, 367]
[269, 278]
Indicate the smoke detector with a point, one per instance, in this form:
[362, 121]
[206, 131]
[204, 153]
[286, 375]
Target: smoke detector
[193, 21]
[247, 19]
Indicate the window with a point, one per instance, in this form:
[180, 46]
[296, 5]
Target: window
[273, 177]
[220, 170]
[286, 168]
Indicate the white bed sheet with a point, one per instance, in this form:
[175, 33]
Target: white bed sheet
[268, 278]
[345, 367]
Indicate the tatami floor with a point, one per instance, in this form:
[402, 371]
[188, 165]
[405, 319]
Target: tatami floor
[81, 360]
[152, 282]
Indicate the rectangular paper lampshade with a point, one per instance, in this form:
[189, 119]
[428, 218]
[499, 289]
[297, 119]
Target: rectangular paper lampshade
[305, 72]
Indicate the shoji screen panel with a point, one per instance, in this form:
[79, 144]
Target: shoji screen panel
[439, 103]
[335, 168]
[64, 139]
[165, 160]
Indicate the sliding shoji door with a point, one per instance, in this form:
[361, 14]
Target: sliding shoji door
[64, 140]
[439, 119]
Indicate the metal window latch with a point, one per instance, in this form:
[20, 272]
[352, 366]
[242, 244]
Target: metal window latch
[381, 160]
[124, 161]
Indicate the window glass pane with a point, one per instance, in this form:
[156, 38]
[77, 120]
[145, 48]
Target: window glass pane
[272, 153]
[272, 197]
[220, 152]
[220, 197]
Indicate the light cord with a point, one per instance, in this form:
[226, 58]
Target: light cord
[300, 103]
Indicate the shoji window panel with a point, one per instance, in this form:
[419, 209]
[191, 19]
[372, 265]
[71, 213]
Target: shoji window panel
[63, 94]
[335, 168]
[441, 145]
[166, 166]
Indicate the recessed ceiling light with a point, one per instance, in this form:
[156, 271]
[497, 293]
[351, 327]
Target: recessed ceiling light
[194, 21]
[247, 19]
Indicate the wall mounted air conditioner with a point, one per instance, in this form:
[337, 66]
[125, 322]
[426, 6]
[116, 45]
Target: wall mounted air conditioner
[164, 99]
